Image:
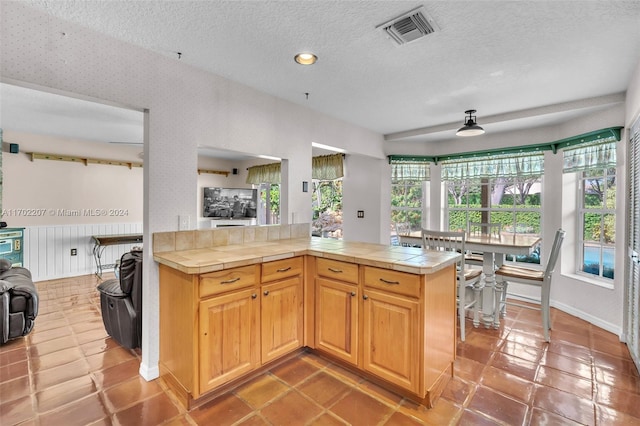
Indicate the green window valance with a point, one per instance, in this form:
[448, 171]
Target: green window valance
[409, 170]
[266, 173]
[493, 166]
[601, 154]
[327, 167]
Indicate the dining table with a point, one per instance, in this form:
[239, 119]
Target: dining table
[493, 249]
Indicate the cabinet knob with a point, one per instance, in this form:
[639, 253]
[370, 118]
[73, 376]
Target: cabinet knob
[353, 293]
[266, 293]
[253, 296]
[365, 297]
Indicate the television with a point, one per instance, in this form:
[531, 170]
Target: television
[230, 203]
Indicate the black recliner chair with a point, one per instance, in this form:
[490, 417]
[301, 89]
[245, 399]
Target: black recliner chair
[18, 301]
[121, 301]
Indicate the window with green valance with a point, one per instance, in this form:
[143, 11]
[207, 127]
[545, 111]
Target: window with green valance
[327, 167]
[265, 173]
[530, 164]
[409, 170]
[600, 154]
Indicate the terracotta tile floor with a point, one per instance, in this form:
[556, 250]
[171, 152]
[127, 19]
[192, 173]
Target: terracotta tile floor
[69, 372]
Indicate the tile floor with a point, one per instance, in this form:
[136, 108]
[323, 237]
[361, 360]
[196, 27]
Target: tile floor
[69, 372]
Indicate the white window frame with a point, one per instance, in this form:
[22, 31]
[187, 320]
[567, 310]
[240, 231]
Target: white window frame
[604, 210]
[490, 209]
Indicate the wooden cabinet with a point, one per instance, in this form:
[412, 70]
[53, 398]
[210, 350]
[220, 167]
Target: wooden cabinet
[281, 308]
[391, 338]
[228, 325]
[229, 340]
[409, 328]
[337, 309]
[216, 328]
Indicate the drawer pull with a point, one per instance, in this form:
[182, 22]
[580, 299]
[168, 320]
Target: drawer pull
[253, 296]
[353, 293]
[337, 271]
[365, 297]
[284, 269]
[390, 282]
[231, 281]
[266, 293]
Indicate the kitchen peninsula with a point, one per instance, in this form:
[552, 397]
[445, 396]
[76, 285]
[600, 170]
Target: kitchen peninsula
[237, 301]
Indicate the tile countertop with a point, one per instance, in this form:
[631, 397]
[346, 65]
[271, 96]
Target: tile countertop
[405, 259]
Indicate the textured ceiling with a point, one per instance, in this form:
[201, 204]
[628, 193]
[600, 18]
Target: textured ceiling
[519, 63]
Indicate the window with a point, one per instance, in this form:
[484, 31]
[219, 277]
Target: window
[327, 208]
[596, 202]
[407, 180]
[266, 178]
[497, 189]
[597, 222]
[269, 195]
[327, 172]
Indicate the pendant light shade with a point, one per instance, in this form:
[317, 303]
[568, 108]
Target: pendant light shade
[470, 127]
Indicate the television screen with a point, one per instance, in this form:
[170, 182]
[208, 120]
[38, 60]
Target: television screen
[230, 203]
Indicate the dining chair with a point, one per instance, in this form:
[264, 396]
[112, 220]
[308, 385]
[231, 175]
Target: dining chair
[481, 228]
[518, 275]
[466, 277]
[403, 229]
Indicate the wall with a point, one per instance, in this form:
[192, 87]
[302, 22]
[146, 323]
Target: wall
[362, 191]
[184, 108]
[62, 204]
[63, 192]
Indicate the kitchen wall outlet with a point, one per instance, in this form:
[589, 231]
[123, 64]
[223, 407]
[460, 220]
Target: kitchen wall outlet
[184, 222]
[74, 252]
[360, 214]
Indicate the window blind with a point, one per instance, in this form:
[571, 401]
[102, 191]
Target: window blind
[494, 166]
[593, 155]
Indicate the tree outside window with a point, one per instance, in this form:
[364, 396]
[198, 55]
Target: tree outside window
[597, 198]
[515, 202]
[408, 178]
[269, 204]
[327, 208]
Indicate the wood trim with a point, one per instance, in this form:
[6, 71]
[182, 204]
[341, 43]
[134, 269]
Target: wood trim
[214, 172]
[83, 160]
[88, 160]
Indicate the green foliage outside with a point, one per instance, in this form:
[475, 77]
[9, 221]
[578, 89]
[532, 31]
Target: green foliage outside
[525, 222]
[600, 224]
[274, 201]
[326, 201]
[406, 203]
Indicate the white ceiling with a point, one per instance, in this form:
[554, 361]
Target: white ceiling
[519, 63]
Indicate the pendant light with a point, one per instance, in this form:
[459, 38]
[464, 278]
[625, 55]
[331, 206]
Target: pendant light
[470, 127]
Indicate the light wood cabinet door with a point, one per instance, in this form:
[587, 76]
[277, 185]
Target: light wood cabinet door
[391, 338]
[337, 319]
[229, 340]
[282, 317]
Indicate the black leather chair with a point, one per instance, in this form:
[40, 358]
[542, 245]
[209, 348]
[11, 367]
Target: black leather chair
[121, 301]
[18, 302]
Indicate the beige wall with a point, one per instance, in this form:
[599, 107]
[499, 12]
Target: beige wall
[45, 192]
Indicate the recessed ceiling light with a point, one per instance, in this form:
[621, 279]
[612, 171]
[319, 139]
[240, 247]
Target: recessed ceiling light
[306, 58]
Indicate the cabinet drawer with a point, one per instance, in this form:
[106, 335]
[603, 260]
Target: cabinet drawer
[342, 271]
[227, 280]
[392, 281]
[279, 269]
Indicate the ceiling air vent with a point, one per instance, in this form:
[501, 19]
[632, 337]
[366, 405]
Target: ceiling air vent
[409, 26]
